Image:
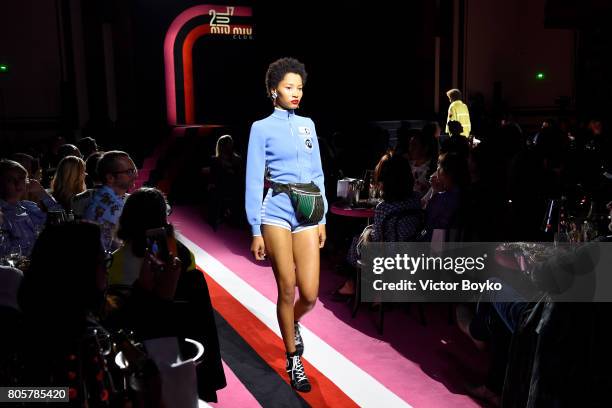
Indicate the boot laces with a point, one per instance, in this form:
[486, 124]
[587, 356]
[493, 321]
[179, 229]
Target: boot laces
[298, 369]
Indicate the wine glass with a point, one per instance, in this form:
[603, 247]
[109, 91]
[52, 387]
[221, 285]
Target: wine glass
[374, 194]
[3, 243]
[103, 340]
[368, 180]
[13, 255]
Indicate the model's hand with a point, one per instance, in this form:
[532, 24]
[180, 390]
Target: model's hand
[258, 248]
[322, 235]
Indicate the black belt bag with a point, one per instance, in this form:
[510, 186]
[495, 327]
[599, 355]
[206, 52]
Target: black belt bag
[306, 199]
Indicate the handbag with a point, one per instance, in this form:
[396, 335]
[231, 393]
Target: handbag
[306, 199]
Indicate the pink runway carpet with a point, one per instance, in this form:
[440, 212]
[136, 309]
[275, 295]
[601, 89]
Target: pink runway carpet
[409, 365]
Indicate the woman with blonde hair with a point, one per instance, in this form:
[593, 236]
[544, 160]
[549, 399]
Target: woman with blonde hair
[68, 181]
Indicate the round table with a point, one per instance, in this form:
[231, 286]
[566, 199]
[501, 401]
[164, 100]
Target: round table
[348, 211]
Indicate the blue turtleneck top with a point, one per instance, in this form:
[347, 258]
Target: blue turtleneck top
[286, 146]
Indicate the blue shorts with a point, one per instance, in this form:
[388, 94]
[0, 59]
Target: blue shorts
[277, 210]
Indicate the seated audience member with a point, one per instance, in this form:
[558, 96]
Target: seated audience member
[402, 144]
[432, 133]
[91, 179]
[547, 123]
[594, 145]
[60, 294]
[32, 166]
[486, 212]
[423, 155]
[397, 187]
[68, 150]
[10, 279]
[509, 140]
[30, 163]
[10, 317]
[397, 218]
[528, 185]
[22, 219]
[456, 142]
[145, 209]
[432, 129]
[51, 156]
[226, 182]
[421, 150]
[104, 205]
[443, 203]
[81, 201]
[87, 146]
[511, 324]
[69, 180]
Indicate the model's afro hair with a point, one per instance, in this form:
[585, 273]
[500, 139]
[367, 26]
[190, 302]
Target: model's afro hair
[281, 67]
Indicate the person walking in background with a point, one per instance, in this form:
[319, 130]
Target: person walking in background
[226, 183]
[459, 112]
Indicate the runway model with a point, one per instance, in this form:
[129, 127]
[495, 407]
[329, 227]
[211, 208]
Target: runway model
[288, 224]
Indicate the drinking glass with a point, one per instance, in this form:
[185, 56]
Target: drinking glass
[374, 196]
[368, 180]
[3, 244]
[103, 339]
[368, 177]
[13, 255]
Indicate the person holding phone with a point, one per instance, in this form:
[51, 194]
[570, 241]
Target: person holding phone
[284, 147]
[152, 260]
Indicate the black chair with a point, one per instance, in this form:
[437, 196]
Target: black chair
[391, 233]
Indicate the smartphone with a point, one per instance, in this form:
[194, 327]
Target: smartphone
[161, 243]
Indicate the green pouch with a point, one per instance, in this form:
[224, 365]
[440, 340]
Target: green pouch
[306, 199]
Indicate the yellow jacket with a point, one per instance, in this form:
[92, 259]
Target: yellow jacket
[459, 111]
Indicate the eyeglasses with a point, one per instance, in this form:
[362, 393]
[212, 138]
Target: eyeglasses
[129, 172]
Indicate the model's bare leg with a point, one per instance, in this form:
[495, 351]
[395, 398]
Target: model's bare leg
[280, 250]
[306, 257]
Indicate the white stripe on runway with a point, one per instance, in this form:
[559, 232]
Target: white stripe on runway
[361, 387]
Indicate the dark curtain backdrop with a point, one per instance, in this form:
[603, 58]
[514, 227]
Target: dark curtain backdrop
[365, 60]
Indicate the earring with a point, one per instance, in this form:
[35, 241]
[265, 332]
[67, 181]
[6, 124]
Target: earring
[274, 95]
